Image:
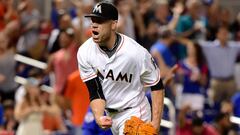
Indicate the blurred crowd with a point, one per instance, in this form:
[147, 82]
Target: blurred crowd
[200, 37]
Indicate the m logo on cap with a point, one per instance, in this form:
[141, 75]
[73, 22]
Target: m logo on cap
[98, 9]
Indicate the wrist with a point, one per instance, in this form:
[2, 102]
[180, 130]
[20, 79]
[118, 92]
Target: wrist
[156, 122]
[98, 119]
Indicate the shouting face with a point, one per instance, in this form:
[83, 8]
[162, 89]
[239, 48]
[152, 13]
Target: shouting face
[102, 29]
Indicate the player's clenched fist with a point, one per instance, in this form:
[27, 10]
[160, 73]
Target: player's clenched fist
[104, 122]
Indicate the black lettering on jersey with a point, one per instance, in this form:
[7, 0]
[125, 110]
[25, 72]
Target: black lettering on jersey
[122, 77]
[110, 74]
[130, 79]
[100, 76]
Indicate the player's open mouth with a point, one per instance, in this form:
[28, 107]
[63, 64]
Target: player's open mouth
[95, 32]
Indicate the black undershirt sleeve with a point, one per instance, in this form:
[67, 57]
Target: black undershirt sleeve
[95, 89]
[158, 86]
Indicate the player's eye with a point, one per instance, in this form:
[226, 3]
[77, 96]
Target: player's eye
[98, 20]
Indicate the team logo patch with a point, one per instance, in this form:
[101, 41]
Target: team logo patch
[97, 9]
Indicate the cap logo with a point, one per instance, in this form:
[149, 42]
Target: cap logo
[97, 9]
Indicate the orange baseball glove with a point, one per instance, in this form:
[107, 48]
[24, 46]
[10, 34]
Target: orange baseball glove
[136, 126]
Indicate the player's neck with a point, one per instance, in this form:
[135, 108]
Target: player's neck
[111, 43]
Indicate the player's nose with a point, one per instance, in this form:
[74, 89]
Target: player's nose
[94, 25]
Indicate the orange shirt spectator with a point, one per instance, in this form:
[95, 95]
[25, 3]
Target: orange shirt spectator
[76, 91]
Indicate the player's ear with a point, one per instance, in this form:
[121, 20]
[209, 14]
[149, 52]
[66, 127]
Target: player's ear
[114, 25]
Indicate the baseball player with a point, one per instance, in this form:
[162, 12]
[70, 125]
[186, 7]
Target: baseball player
[116, 69]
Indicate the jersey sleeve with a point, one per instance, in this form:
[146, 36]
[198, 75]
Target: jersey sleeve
[87, 72]
[150, 73]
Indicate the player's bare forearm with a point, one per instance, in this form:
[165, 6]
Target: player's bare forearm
[98, 107]
[157, 107]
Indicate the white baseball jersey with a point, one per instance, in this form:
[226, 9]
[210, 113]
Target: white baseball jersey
[125, 73]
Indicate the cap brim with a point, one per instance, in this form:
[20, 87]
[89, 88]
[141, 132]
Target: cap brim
[94, 15]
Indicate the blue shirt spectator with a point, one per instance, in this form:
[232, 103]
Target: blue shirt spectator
[236, 104]
[221, 59]
[189, 86]
[167, 55]
[90, 126]
[1, 115]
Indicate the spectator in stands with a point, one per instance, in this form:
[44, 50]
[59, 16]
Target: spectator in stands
[1, 116]
[145, 8]
[77, 94]
[53, 43]
[213, 18]
[221, 56]
[192, 25]
[235, 28]
[7, 69]
[192, 74]
[10, 123]
[161, 49]
[225, 17]
[29, 111]
[44, 33]
[52, 119]
[164, 57]
[7, 13]
[162, 13]
[58, 8]
[194, 126]
[223, 125]
[236, 104]
[129, 19]
[81, 24]
[63, 62]
[30, 23]
[163, 20]
[163, 16]
[12, 31]
[35, 73]
[151, 35]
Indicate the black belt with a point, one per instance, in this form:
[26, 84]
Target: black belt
[110, 110]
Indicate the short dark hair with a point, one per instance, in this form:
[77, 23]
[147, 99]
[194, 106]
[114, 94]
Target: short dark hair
[220, 116]
[197, 121]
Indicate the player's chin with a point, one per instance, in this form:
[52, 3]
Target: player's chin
[95, 38]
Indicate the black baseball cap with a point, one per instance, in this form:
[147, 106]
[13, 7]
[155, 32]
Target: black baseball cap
[104, 10]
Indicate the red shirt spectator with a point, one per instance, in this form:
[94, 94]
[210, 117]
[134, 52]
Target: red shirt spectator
[190, 129]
